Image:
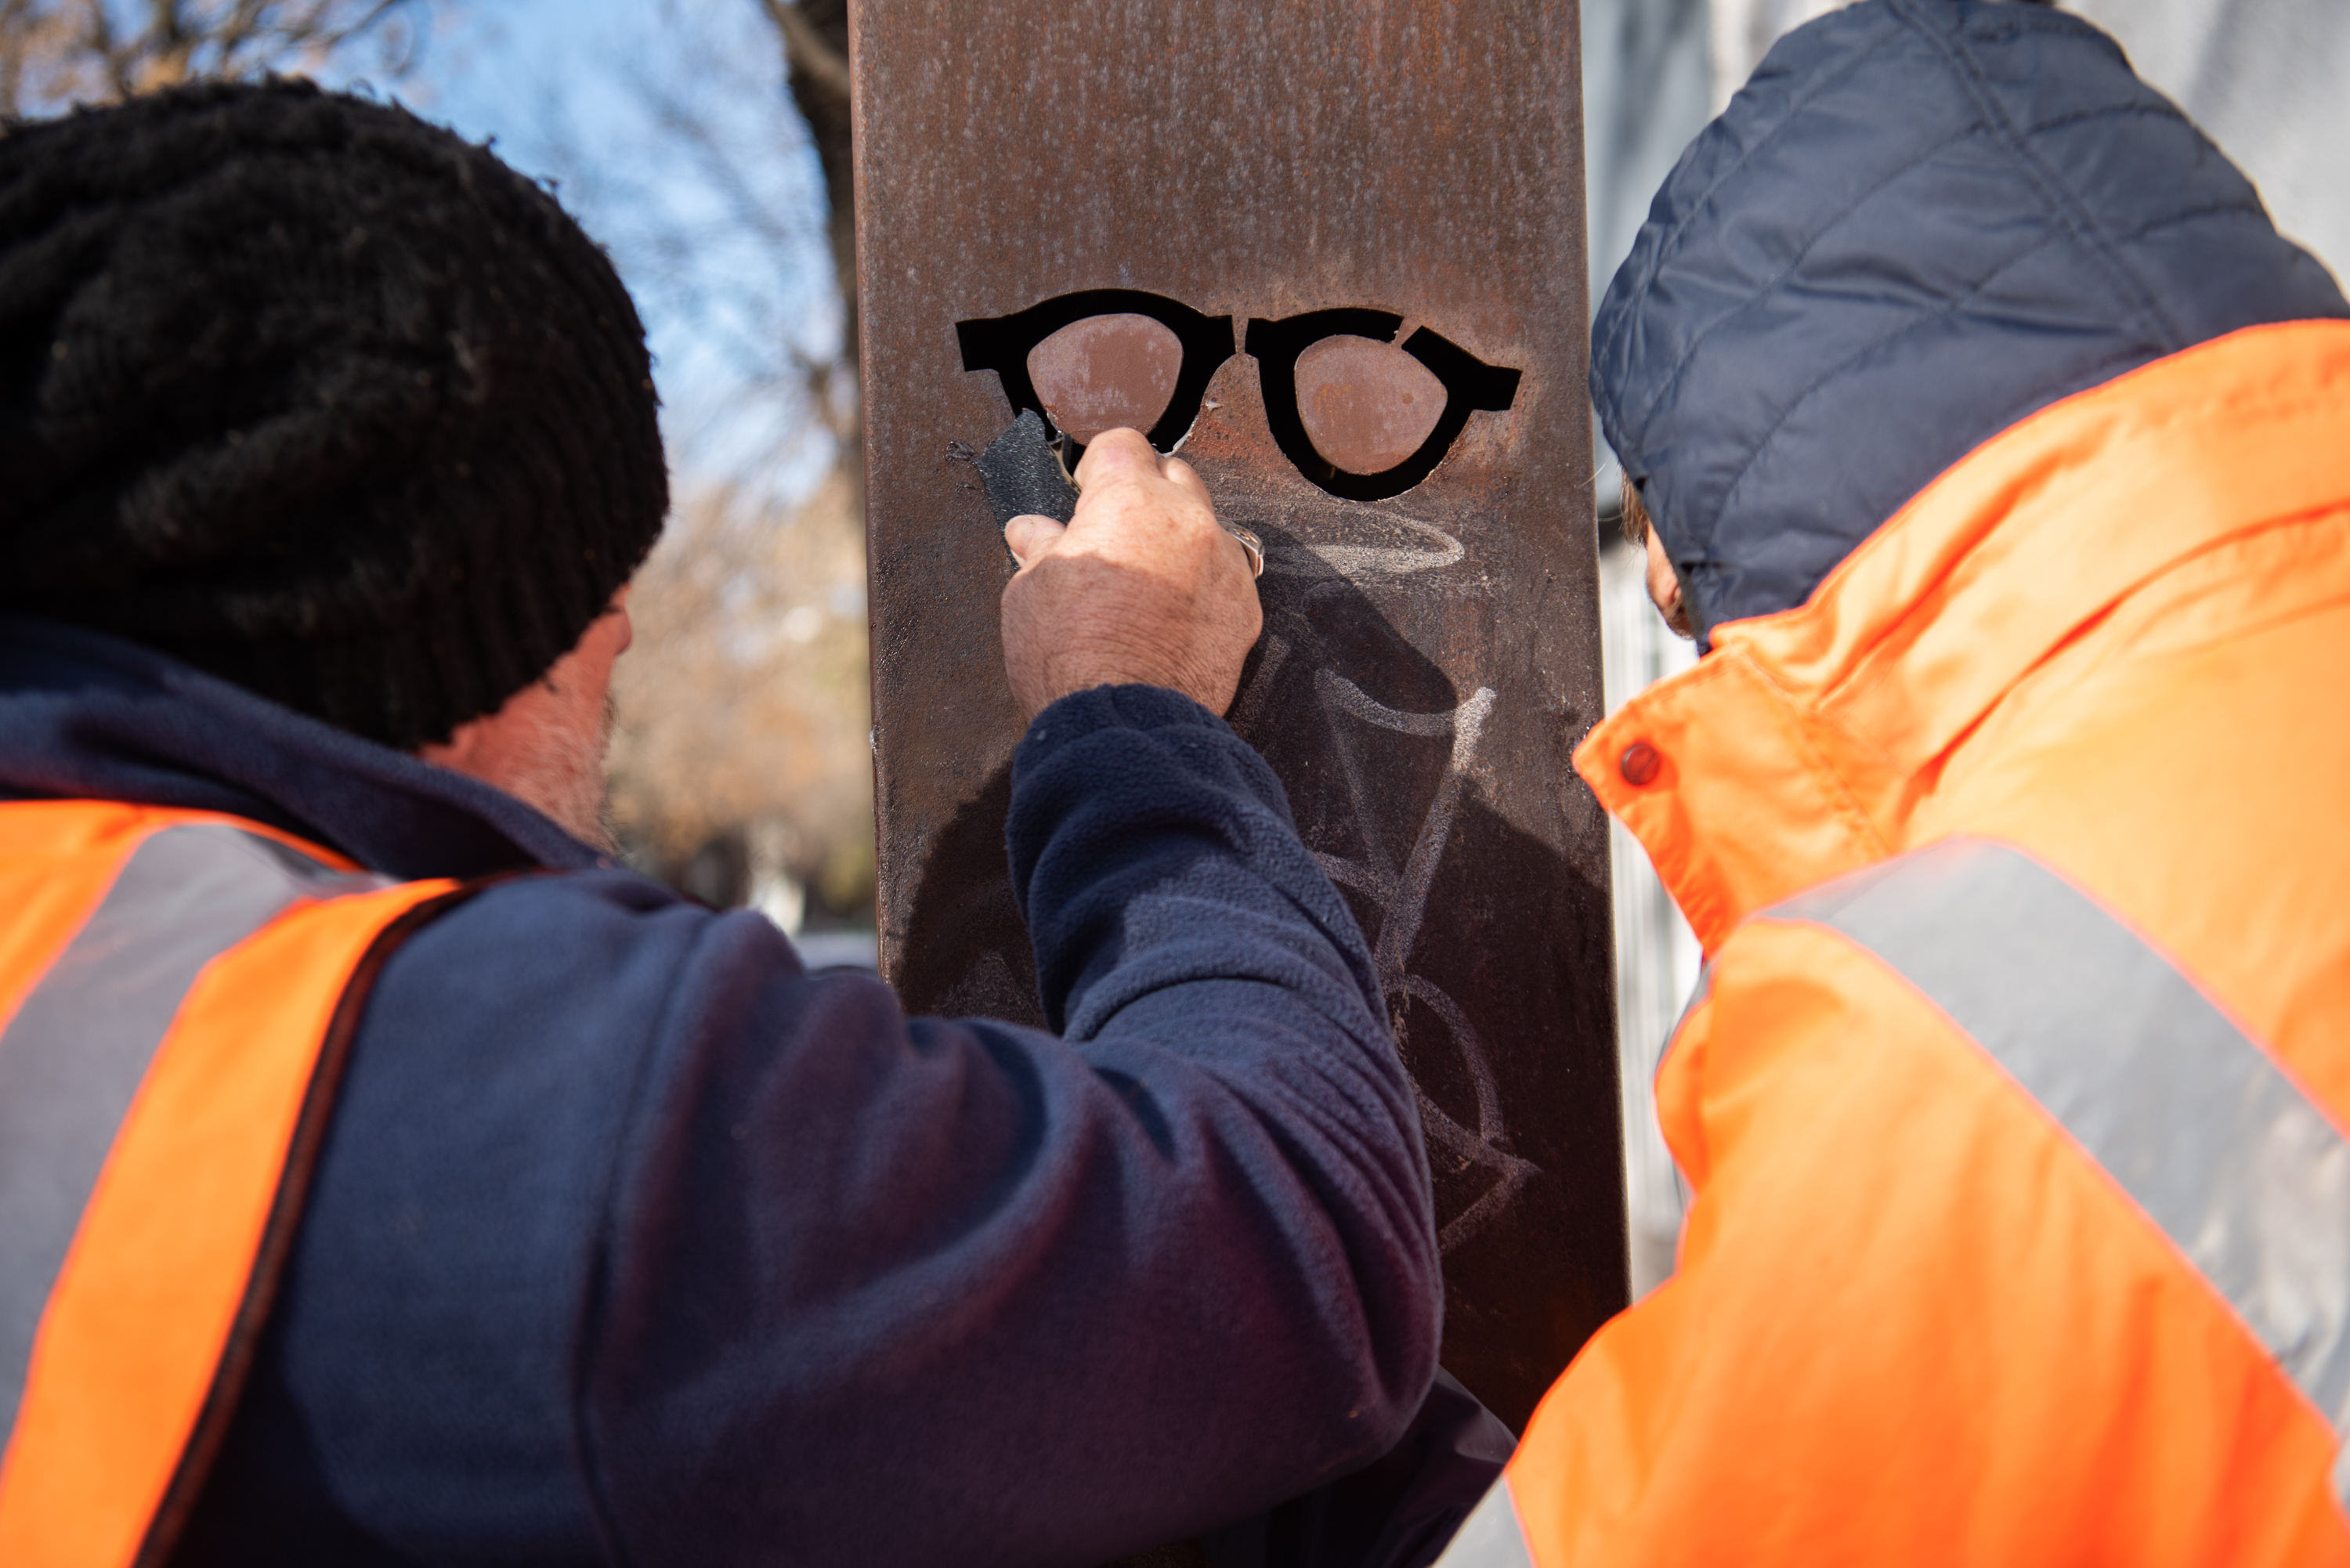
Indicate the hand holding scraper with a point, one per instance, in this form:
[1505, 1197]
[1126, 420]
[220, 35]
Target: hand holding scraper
[1135, 583]
[1026, 476]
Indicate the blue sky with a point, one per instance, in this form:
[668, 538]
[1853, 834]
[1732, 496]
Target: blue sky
[666, 127]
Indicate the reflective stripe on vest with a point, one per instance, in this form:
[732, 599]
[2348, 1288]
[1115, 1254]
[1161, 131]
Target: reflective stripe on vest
[2231, 1158]
[159, 1078]
[1491, 1537]
[2245, 1174]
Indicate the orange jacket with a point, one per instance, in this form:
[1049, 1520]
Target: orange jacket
[2013, 1102]
[176, 992]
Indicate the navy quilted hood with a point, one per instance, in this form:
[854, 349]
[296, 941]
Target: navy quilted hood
[1920, 221]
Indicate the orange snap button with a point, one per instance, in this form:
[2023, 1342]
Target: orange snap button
[1639, 763]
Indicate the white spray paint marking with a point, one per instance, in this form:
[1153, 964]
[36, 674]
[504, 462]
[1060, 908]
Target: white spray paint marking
[1403, 900]
[1438, 548]
[1400, 893]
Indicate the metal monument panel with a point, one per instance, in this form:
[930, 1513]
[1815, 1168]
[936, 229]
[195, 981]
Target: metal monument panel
[1335, 247]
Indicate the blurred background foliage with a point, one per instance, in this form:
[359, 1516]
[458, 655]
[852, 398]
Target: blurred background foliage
[707, 147]
[59, 52]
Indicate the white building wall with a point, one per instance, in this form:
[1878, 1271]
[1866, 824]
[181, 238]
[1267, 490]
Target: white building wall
[1656, 952]
[2269, 81]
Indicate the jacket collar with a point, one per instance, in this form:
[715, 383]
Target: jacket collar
[1801, 746]
[84, 716]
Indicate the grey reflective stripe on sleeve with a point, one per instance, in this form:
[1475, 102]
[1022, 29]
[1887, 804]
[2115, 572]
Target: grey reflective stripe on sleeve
[1491, 1537]
[2193, 1118]
[74, 1055]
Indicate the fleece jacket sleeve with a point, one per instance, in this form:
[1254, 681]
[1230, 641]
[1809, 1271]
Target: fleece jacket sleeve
[632, 1242]
[884, 1290]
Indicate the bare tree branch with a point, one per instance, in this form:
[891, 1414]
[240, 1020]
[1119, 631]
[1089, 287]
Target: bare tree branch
[742, 709]
[815, 39]
[54, 53]
[807, 50]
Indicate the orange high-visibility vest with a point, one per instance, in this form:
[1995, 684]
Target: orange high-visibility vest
[2014, 1104]
[177, 993]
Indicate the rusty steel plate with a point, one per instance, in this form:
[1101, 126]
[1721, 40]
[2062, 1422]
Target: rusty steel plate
[1335, 247]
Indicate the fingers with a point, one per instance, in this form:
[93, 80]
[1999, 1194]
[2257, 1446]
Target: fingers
[1142, 586]
[1122, 477]
[1031, 535]
[1125, 455]
[1122, 457]
[1116, 455]
[1179, 473]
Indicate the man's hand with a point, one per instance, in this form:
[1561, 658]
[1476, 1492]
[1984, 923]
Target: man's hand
[1141, 587]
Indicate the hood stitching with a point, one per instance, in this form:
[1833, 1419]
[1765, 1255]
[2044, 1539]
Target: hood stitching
[2164, 111]
[2099, 371]
[2065, 209]
[1668, 246]
[2065, 202]
[1992, 120]
[1770, 286]
[1947, 308]
[2122, 358]
[2210, 210]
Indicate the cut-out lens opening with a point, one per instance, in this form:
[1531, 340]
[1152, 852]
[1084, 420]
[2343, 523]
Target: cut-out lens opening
[1005, 344]
[1367, 405]
[1362, 418]
[1106, 373]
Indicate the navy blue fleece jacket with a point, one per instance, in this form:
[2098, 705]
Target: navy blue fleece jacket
[632, 1242]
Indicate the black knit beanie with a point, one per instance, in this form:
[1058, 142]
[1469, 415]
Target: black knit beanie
[317, 396]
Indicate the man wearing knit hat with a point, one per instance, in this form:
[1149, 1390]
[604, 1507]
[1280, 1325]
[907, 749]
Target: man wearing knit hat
[385, 1176]
[1997, 449]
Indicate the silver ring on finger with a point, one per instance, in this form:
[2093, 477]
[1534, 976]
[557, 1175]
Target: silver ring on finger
[1253, 544]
